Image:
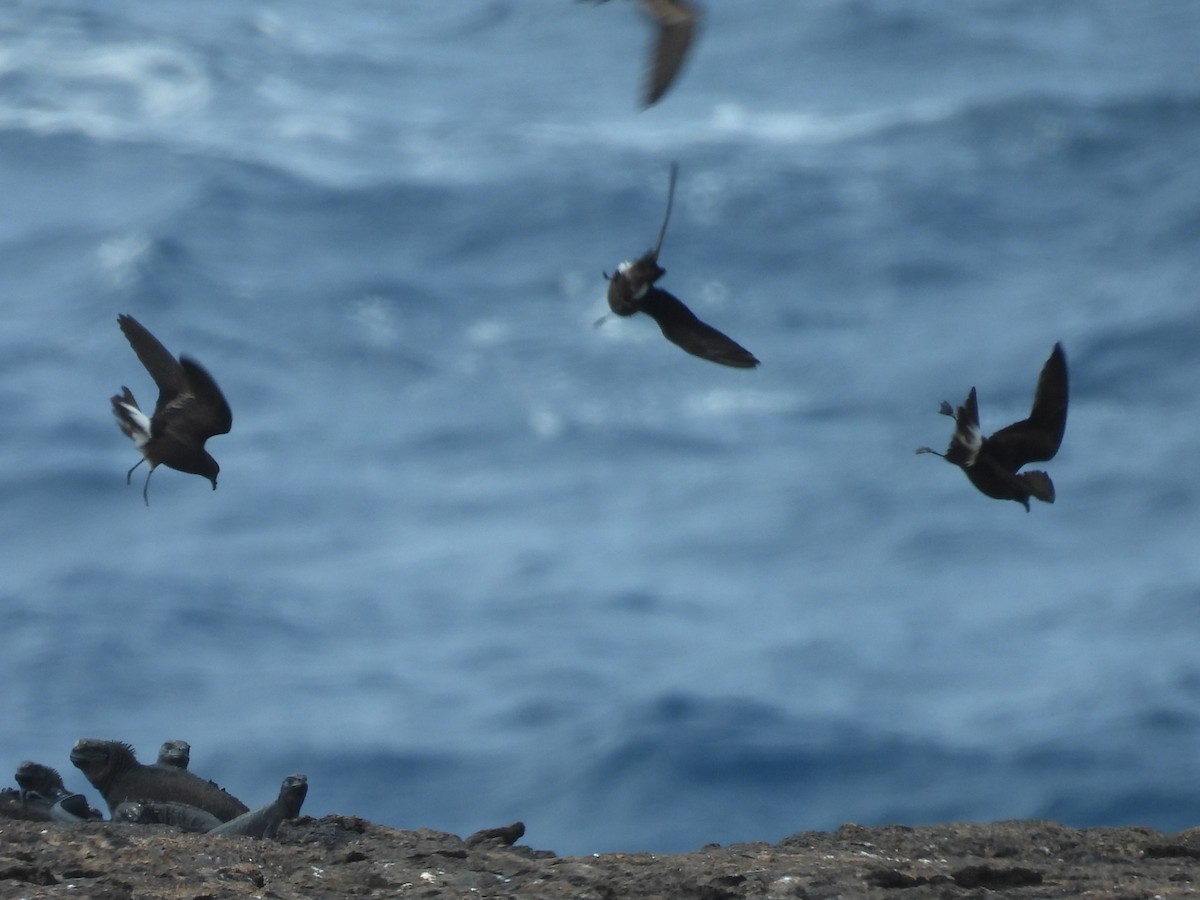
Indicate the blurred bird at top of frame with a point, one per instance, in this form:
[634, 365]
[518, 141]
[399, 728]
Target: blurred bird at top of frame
[676, 23]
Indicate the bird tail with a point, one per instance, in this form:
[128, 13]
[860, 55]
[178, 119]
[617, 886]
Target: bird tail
[1039, 485]
[133, 421]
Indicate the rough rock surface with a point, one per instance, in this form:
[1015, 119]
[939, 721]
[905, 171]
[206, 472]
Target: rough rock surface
[340, 856]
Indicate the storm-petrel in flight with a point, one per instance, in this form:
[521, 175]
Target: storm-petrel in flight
[676, 21]
[190, 410]
[991, 463]
[631, 289]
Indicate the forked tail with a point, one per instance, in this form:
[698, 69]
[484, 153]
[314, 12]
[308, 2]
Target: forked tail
[1039, 485]
[133, 421]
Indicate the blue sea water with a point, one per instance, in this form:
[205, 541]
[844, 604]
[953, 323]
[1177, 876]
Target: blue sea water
[473, 560]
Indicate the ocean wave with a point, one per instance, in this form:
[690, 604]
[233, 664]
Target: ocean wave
[116, 91]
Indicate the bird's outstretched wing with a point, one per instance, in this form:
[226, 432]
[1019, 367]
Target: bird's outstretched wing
[680, 326]
[209, 412]
[677, 21]
[1037, 438]
[164, 368]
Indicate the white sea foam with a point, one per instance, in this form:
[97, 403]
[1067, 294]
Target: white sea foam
[108, 91]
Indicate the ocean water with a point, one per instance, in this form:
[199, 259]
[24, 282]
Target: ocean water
[473, 560]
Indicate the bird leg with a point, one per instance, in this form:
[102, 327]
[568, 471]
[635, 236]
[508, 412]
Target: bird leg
[146, 486]
[129, 474]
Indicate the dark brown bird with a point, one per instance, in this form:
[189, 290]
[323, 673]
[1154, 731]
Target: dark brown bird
[991, 463]
[190, 410]
[676, 22]
[631, 289]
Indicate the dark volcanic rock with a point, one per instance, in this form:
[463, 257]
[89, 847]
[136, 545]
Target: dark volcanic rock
[342, 856]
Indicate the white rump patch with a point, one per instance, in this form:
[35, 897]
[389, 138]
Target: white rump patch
[970, 440]
[141, 424]
[623, 271]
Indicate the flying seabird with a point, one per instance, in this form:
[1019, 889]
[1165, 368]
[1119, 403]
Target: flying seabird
[190, 410]
[676, 22]
[631, 289]
[991, 463]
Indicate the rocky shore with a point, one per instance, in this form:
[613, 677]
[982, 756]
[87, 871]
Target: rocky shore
[342, 856]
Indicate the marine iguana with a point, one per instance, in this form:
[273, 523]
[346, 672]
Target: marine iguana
[73, 809]
[147, 812]
[24, 803]
[38, 779]
[113, 768]
[14, 804]
[43, 797]
[265, 821]
[504, 836]
[175, 753]
[262, 822]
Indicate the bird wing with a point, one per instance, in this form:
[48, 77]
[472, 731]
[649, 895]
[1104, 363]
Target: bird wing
[163, 367]
[1037, 438]
[677, 21]
[680, 326]
[208, 412]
